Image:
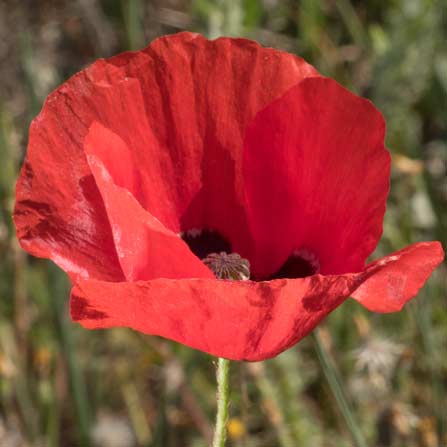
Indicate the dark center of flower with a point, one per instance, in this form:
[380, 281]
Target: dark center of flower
[299, 265]
[204, 242]
[215, 253]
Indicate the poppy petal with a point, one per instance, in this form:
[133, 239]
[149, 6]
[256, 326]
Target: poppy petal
[240, 320]
[399, 277]
[245, 320]
[199, 96]
[181, 106]
[58, 212]
[317, 176]
[146, 248]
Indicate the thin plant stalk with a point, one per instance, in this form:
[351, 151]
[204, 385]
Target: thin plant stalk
[422, 317]
[273, 404]
[223, 400]
[352, 21]
[334, 381]
[133, 13]
[75, 374]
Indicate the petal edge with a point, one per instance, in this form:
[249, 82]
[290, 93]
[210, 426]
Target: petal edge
[397, 278]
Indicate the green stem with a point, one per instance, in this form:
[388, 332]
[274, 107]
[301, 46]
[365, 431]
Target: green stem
[223, 400]
[332, 376]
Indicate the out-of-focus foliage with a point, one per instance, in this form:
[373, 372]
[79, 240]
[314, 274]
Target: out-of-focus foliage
[62, 385]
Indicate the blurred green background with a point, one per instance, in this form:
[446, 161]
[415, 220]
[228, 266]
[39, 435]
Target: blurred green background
[363, 379]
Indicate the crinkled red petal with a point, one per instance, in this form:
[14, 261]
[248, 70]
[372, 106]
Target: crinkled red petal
[397, 278]
[246, 320]
[240, 320]
[146, 248]
[317, 176]
[181, 107]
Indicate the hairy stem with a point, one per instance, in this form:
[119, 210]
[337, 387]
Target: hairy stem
[223, 400]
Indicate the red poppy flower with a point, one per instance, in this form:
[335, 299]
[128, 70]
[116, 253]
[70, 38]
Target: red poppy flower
[140, 166]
